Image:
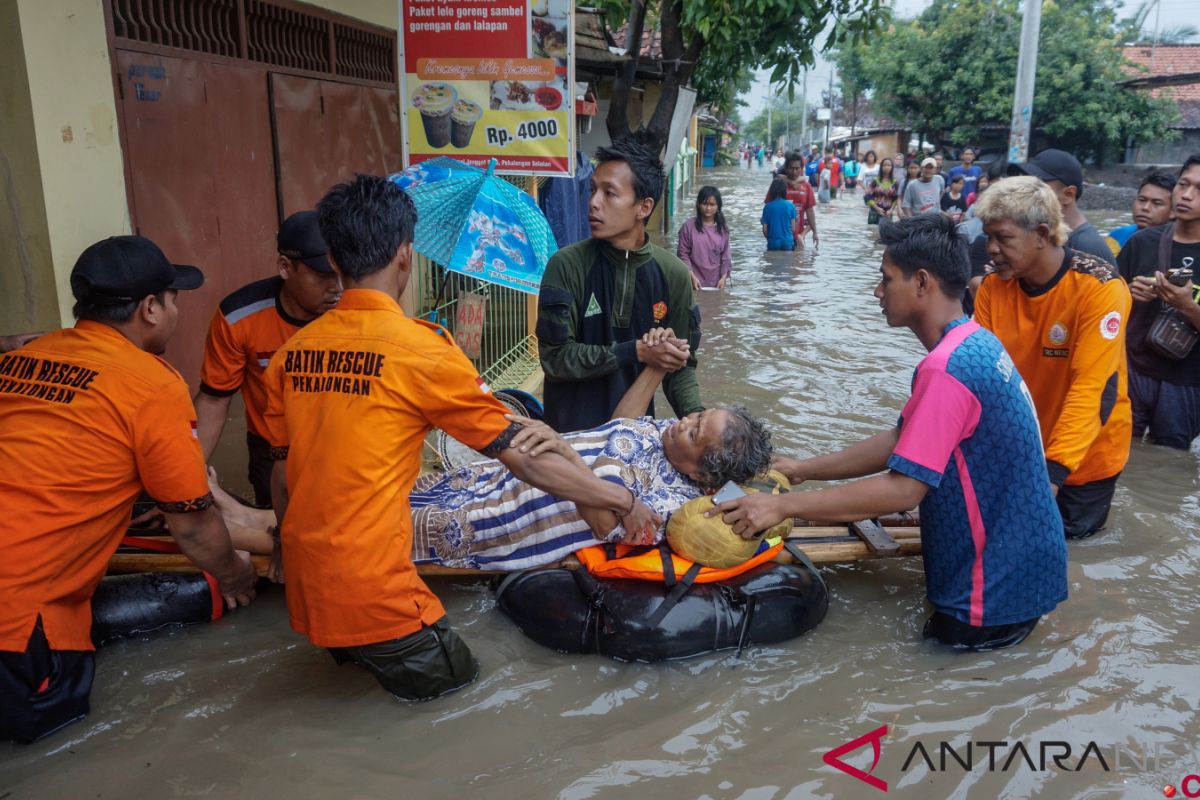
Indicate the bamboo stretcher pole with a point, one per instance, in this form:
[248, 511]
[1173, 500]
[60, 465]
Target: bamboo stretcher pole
[844, 548]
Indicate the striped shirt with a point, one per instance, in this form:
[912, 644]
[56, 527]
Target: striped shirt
[481, 516]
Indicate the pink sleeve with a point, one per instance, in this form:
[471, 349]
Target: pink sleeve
[684, 248]
[939, 415]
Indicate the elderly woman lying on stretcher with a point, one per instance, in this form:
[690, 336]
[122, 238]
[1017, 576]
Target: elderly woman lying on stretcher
[481, 516]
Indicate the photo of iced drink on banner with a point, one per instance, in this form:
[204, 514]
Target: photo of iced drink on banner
[462, 122]
[489, 79]
[436, 102]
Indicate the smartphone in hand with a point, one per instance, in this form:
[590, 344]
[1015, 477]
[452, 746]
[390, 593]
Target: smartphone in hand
[730, 491]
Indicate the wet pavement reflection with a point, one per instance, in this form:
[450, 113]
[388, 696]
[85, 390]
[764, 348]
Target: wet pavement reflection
[245, 707]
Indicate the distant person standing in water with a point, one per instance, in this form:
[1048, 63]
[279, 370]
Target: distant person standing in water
[802, 196]
[870, 171]
[883, 194]
[704, 242]
[777, 217]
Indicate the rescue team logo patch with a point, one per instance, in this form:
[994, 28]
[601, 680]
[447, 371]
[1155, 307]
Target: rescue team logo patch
[660, 311]
[593, 308]
[1110, 326]
[1058, 333]
[482, 384]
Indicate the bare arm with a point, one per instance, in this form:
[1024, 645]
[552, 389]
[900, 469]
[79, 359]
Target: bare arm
[862, 499]
[559, 476]
[637, 397]
[9, 343]
[865, 458]
[211, 413]
[203, 538]
[811, 215]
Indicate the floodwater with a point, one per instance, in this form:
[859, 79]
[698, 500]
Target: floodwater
[246, 708]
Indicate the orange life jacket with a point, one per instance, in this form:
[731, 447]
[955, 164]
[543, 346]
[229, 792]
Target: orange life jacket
[659, 563]
[662, 565]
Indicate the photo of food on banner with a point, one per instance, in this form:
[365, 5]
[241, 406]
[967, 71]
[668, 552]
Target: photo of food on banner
[490, 78]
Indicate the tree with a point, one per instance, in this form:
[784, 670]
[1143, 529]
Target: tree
[953, 70]
[707, 43]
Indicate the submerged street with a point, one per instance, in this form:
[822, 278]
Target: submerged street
[245, 707]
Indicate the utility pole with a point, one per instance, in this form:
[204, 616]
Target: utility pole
[768, 144]
[787, 119]
[804, 114]
[1022, 114]
[829, 122]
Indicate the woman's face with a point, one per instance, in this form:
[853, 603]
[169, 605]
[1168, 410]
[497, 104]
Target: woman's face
[871, 159]
[885, 168]
[914, 169]
[708, 209]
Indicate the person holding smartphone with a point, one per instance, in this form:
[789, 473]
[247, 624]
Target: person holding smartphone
[967, 449]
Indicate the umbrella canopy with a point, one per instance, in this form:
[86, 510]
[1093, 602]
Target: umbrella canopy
[473, 222]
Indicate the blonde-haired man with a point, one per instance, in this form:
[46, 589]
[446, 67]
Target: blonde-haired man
[1061, 315]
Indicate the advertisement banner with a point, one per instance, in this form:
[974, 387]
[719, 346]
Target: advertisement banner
[487, 79]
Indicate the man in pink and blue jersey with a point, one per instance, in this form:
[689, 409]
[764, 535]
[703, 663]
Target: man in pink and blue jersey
[967, 448]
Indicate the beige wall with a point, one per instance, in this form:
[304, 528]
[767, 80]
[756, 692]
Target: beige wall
[27, 294]
[385, 13]
[72, 165]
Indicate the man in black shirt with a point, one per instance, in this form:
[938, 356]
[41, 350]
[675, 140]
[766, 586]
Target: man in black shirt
[1065, 176]
[1165, 392]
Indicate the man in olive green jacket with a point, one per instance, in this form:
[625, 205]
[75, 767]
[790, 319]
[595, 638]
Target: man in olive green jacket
[600, 296]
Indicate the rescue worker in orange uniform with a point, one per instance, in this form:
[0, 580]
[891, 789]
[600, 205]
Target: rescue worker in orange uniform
[249, 326]
[1061, 315]
[89, 416]
[351, 398]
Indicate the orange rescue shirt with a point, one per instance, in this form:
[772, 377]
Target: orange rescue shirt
[351, 397]
[1068, 342]
[87, 419]
[247, 329]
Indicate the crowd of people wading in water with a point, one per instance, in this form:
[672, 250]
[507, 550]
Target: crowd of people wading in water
[1050, 349]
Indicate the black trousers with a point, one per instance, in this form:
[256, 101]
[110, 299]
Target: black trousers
[421, 666]
[43, 690]
[948, 630]
[260, 468]
[1084, 508]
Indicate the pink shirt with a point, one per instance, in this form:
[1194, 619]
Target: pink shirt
[705, 252]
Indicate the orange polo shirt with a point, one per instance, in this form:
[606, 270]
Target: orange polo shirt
[247, 329]
[87, 419]
[352, 397]
[1068, 342]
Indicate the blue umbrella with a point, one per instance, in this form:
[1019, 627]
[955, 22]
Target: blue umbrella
[472, 222]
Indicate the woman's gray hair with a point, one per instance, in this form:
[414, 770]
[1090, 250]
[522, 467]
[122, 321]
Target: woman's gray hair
[744, 452]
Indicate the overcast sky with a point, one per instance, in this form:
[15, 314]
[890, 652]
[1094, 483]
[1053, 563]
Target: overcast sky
[1172, 13]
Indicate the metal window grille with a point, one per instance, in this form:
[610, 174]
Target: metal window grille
[278, 33]
[363, 54]
[286, 38]
[205, 26]
[508, 352]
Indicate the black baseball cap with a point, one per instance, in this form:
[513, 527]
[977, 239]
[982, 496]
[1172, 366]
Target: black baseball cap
[1053, 165]
[124, 269]
[300, 239]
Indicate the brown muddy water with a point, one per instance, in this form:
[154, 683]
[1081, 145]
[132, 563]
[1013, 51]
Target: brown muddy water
[246, 708]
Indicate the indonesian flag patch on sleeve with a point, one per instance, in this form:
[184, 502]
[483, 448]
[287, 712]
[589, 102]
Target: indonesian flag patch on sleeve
[483, 387]
[195, 430]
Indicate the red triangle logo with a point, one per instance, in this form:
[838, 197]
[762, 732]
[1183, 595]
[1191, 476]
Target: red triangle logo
[834, 758]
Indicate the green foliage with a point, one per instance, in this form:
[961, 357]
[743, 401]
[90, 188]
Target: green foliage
[737, 36]
[953, 69]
